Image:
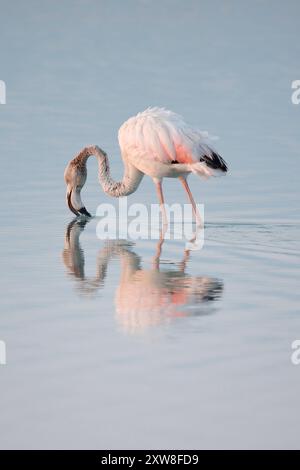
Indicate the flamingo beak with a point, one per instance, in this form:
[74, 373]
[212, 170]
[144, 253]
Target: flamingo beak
[69, 194]
[84, 212]
[78, 212]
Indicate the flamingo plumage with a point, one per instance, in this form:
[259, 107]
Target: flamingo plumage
[155, 142]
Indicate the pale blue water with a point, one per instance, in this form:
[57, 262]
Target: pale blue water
[203, 359]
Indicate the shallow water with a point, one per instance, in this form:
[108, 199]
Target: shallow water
[107, 345]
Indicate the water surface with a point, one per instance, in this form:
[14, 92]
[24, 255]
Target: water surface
[109, 345]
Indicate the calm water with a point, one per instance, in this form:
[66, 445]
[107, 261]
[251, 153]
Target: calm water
[106, 347]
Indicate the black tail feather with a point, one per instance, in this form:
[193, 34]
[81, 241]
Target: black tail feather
[215, 161]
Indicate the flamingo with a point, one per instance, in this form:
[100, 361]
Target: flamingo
[156, 142]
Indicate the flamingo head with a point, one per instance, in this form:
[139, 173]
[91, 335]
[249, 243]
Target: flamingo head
[75, 177]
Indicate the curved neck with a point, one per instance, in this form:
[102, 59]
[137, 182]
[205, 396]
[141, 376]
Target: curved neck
[131, 178]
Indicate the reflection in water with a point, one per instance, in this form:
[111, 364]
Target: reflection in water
[144, 297]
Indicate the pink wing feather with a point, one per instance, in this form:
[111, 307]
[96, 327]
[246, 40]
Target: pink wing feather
[163, 136]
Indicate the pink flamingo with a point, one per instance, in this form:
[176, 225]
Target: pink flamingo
[155, 142]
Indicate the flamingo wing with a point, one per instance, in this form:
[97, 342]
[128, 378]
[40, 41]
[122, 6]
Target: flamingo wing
[163, 136]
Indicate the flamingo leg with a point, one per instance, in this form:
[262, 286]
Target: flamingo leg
[160, 195]
[192, 201]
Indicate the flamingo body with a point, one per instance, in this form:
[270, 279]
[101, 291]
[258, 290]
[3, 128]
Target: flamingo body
[159, 135]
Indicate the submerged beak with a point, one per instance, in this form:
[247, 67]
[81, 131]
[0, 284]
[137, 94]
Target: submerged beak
[78, 212]
[70, 203]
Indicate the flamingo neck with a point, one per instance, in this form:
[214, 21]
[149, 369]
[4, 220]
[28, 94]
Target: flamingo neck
[131, 178]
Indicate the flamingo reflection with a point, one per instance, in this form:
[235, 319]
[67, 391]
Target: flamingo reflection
[144, 297]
